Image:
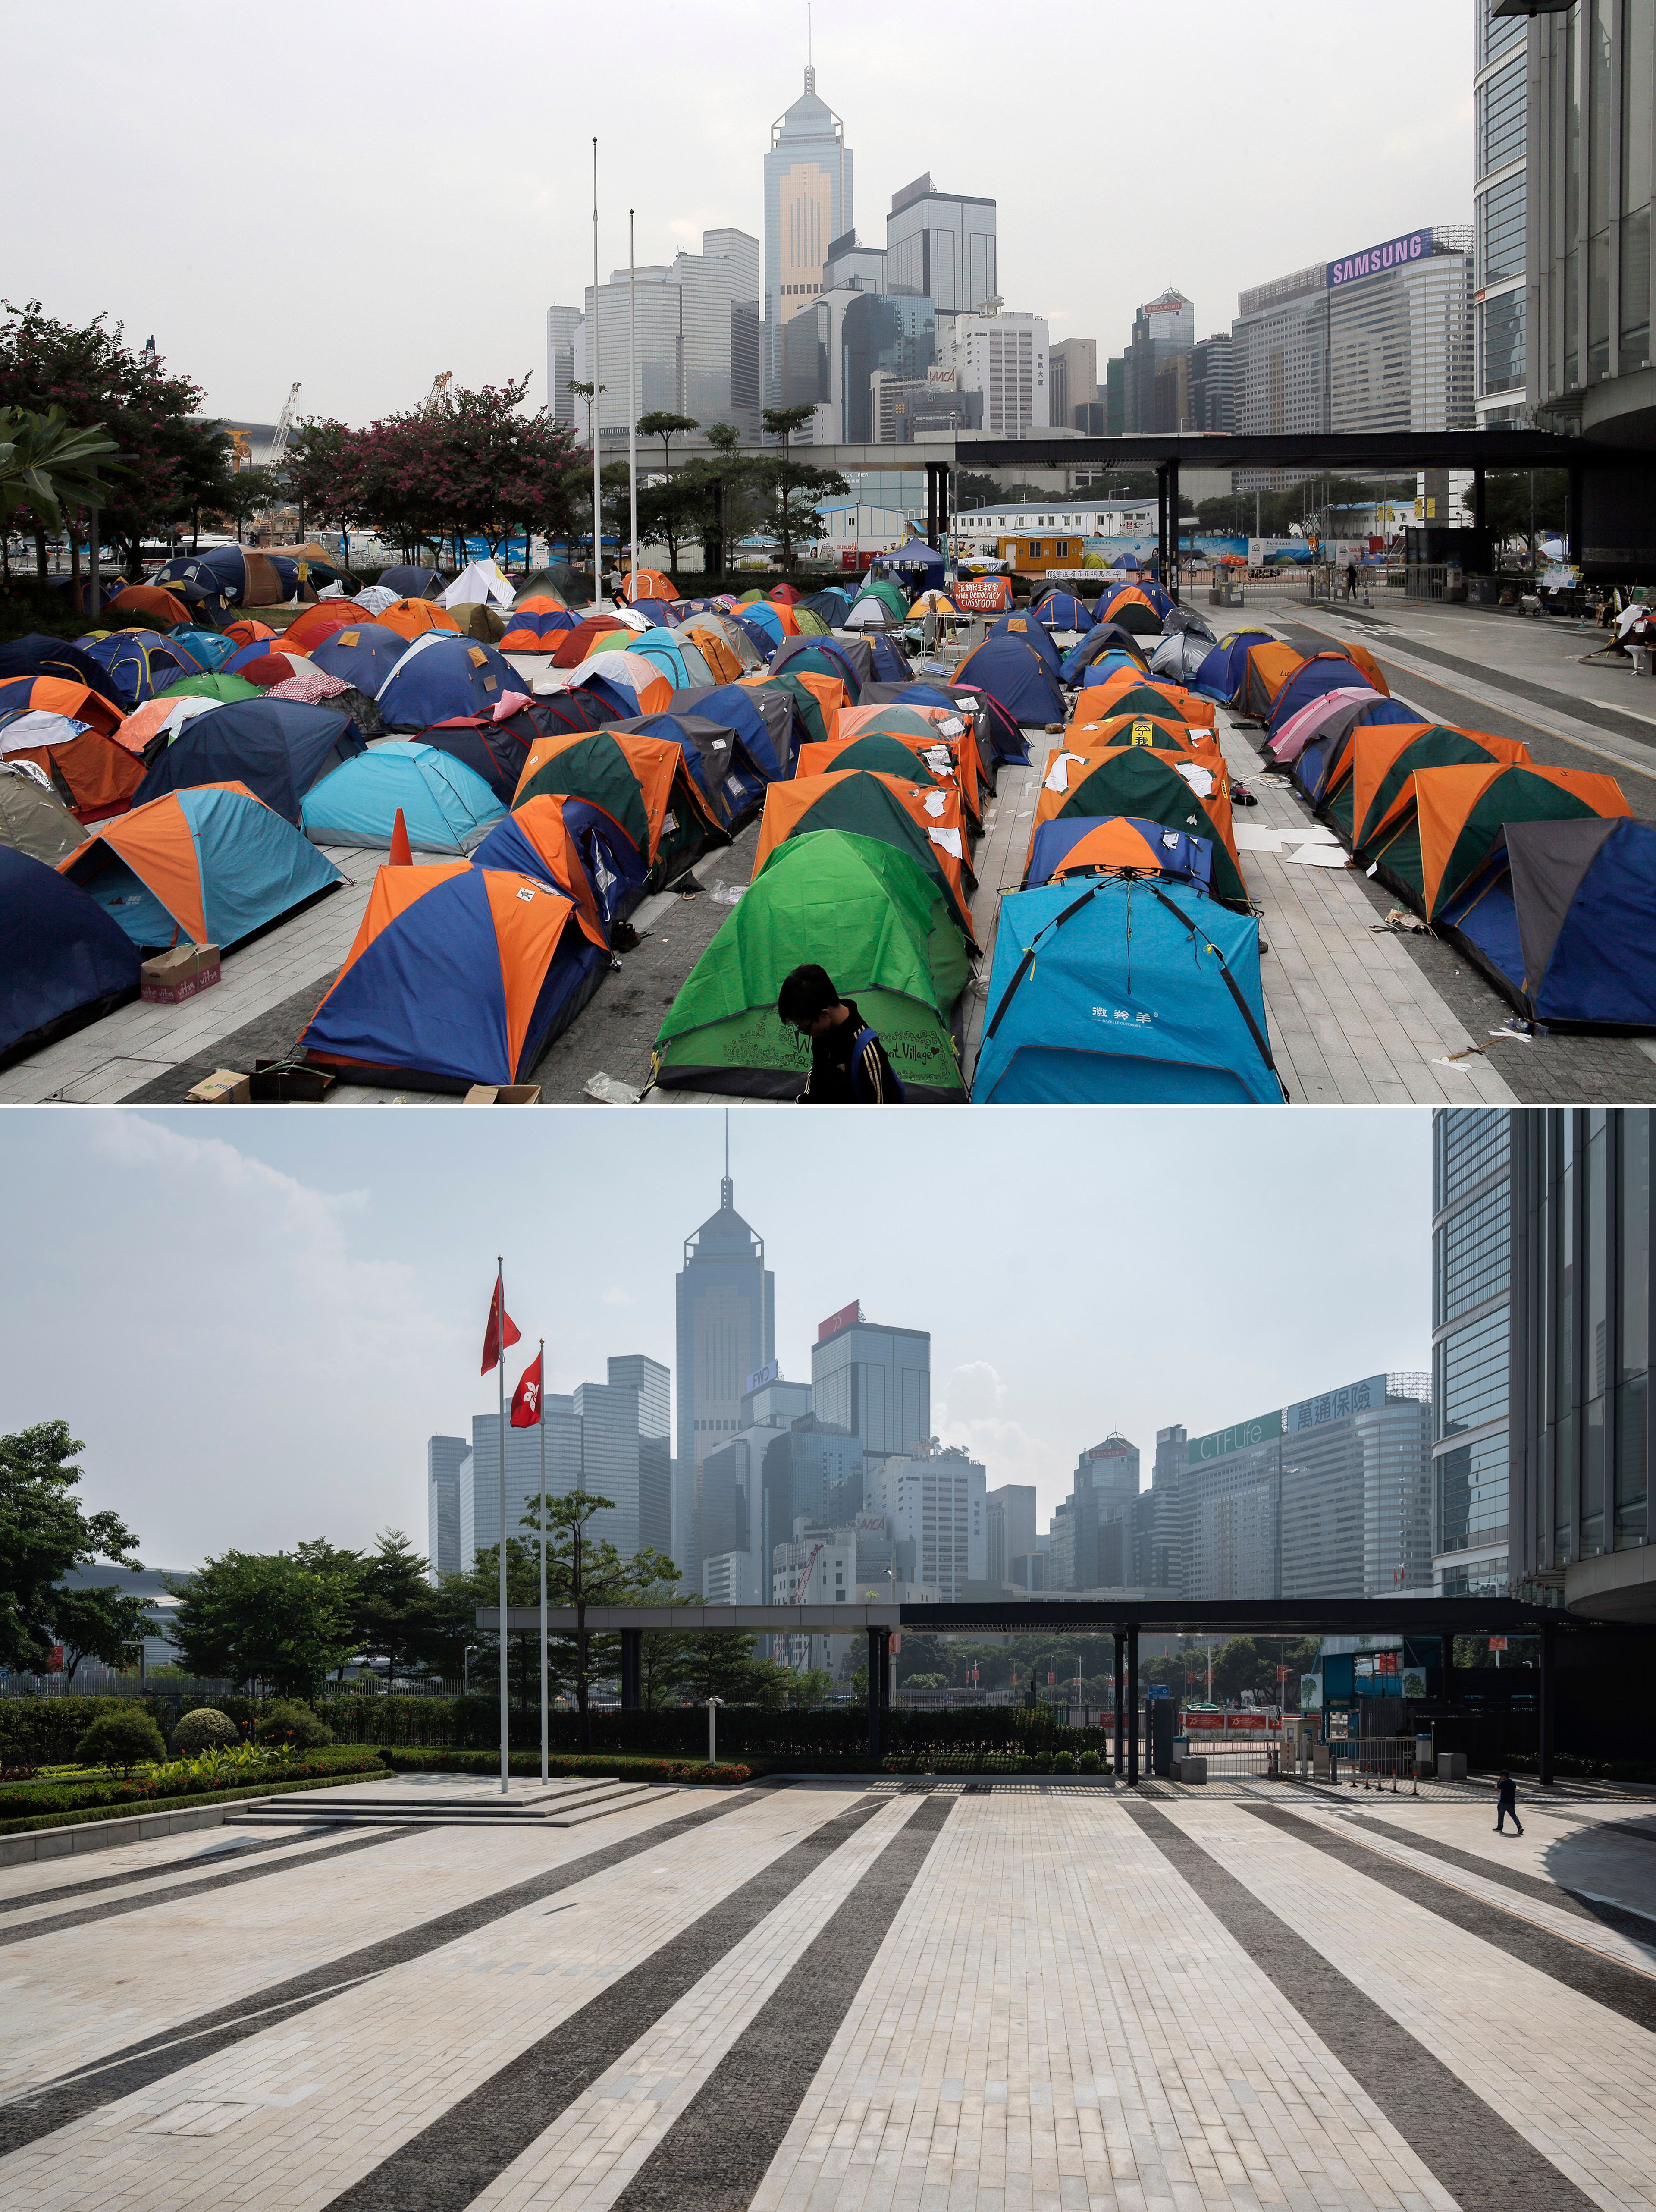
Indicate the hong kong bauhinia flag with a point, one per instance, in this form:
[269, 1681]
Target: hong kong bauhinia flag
[526, 1398]
[501, 1330]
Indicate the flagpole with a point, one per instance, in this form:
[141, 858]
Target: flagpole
[542, 1426]
[632, 401]
[598, 405]
[500, 1375]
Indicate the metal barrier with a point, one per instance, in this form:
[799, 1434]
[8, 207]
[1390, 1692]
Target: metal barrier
[1370, 1759]
[1228, 1755]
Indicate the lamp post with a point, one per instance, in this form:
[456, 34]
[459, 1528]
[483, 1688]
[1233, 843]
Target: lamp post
[713, 1704]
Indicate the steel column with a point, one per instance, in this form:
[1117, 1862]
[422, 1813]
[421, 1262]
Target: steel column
[877, 1640]
[931, 504]
[1573, 522]
[632, 1668]
[1549, 1684]
[1120, 1694]
[1446, 1646]
[1162, 522]
[1173, 526]
[1134, 1717]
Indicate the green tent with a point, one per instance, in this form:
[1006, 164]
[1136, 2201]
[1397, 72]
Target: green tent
[881, 927]
[810, 625]
[1443, 745]
[596, 768]
[810, 706]
[885, 755]
[890, 596]
[221, 688]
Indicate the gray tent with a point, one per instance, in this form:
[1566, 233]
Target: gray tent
[33, 819]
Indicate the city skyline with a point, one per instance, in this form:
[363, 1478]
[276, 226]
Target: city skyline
[468, 287]
[348, 1267]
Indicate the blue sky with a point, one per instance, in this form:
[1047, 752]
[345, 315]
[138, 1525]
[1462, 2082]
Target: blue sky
[255, 1317]
[359, 197]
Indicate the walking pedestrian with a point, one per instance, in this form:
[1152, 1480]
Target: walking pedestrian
[1350, 580]
[1506, 1801]
[848, 1063]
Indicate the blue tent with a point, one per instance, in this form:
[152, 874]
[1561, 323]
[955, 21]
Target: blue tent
[733, 704]
[226, 566]
[592, 678]
[662, 614]
[1125, 992]
[1063, 611]
[206, 866]
[831, 650]
[63, 960]
[761, 622]
[140, 662]
[1319, 760]
[363, 657]
[1178, 853]
[617, 870]
[1103, 642]
[1036, 635]
[890, 665]
[1562, 919]
[680, 664]
[1326, 672]
[207, 647]
[277, 747]
[1012, 670]
[494, 750]
[462, 976]
[446, 806]
[441, 675]
[409, 583]
[1222, 671]
[35, 655]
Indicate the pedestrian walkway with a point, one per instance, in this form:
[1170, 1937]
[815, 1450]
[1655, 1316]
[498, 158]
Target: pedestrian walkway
[850, 1996]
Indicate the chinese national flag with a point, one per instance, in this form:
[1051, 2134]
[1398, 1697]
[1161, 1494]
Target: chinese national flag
[526, 1398]
[501, 1330]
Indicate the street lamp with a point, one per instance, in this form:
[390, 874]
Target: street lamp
[713, 1704]
[465, 1670]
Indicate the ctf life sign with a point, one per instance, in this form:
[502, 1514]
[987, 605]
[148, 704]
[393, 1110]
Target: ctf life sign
[1374, 260]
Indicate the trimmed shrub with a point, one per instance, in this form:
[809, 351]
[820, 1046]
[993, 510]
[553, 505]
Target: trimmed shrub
[204, 1729]
[20, 1804]
[1090, 1763]
[594, 1766]
[1062, 1763]
[291, 1724]
[44, 1731]
[125, 1740]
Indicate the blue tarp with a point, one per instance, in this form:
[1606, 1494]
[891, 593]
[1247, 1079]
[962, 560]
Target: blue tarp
[277, 747]
[1180, 855]
[60, 954]
[441, 675]
[1564, 921]
[1114, 992]
[445, 806]
[1222, 671]
[428, 995]
[1016, 674]
[363, 657]
[251, 868]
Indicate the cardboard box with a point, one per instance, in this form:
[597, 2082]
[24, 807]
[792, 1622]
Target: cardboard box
[182, 973]
[503, 1094]
[278, 1082]
[225, 1086]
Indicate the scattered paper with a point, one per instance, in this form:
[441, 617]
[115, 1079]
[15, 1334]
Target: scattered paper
[727, 894]
[610, 1091]
[948, 838]
[1249, 840]
[1318, 856]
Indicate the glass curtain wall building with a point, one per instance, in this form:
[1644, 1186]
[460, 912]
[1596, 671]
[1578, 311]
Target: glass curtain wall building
[1400, 339]
[726, 1300]
[1500, 215]
[1471, 1350]
[873, 1384]
[808, 206]
[444, 1457]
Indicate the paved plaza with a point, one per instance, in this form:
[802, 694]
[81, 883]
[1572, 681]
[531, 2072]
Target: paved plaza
[965, 1996]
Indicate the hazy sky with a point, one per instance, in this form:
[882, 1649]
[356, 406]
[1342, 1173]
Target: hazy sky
[360, 196]
[255, 1318]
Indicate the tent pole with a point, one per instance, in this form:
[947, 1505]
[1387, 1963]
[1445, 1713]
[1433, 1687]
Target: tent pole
[594, 417]
[632, 401]
[541, 1425]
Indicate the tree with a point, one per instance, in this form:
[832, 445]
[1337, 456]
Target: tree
[399, 1615]
[719, 482]
[125, 1740]
[44, 1533]
[581, 1570]
[99, 1623]
[666, 425]
[721, 1662]
[669, 512]
[269, 1619]
[45, 462]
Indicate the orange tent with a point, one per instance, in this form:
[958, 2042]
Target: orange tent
[951, 729]
[59, 695]
[723, 662]
[1209, 793]
[318, 623]
[149, 599]
[828, 691]
[1381, 760]
[841, 799]
[245, 631]
[643, 783]
[540, 822]
[648, 584]
[1461, 813]
[1265, 672]
[1114, 843]
[1166, 732]
[1096, 699]
[410, 618]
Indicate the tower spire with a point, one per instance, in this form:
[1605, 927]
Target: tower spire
[810, 59]
[727, 1189]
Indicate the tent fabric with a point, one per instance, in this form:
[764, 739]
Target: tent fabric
[245, 630]
[926, 823]
[414, 583]
[999, 737]
[1562, 919]
[538, 625]
[157, 717]
[63, 960]
[1372, 783]
[361, 655]
[730, 781]
[323, 621]
[1181, 655]
[276, 748]
[942, 737]
[1267, 668]
[446, 805]
[1323, 762]
[207, 865]
[1460, 813]
[37, 655]
[913, 559]
[724, 663]
[849, 659]
[1034, 634]
[234, 573]
[1150, 786]
[458, 975]
[208, 648]
[1134, 608]
[140, 662]
[94, 771]
[881, 926]
[762, 719]
[576, 644]
[1221, 675]
[623, 682]
[1164, 732]
[1014, 674]
[1119, 688]
[479, 582]
[870, 749]
[888, 663]
[268, 666]
[816, 698]
[161, 606]
[412, 619]
[568, 845]
[1294, 732]
[1113, 846]
[1063, 611]
[223, 685]
[439, 678]
[1324, 671]
[494, 750]
[641, 781]
[1102, 638]
[1125, 992]
[33, 819]
[647, 584]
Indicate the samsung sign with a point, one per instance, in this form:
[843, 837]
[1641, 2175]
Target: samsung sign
[1374, 260]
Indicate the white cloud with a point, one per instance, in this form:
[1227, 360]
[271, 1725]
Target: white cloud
[971, 1414]
[615, 1296]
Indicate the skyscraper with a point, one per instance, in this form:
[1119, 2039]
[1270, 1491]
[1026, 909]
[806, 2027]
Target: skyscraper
[1073, 366]
[1501, 214]
[725, 1301]
[942, 246]
[808, 206]
[874, 1383]
[443, 1458]
[561, 324]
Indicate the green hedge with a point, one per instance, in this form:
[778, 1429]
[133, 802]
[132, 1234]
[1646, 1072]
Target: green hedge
[26, 1800]
[529, 1765]
[328, 1781]
[1575, 1765]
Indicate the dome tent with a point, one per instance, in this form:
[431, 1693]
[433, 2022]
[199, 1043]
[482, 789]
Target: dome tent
[445, 806]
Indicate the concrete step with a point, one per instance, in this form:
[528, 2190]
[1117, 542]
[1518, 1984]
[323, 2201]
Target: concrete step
[460, 1802]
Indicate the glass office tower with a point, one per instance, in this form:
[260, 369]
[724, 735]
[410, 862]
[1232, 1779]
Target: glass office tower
[1472, 1350]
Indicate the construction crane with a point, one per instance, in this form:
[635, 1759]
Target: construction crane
[439, 385]
[284, 424]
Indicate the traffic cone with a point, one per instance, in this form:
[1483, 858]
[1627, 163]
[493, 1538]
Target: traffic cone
[402, 853]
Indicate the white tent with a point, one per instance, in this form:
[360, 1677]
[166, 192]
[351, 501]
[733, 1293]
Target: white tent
[477, 583]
